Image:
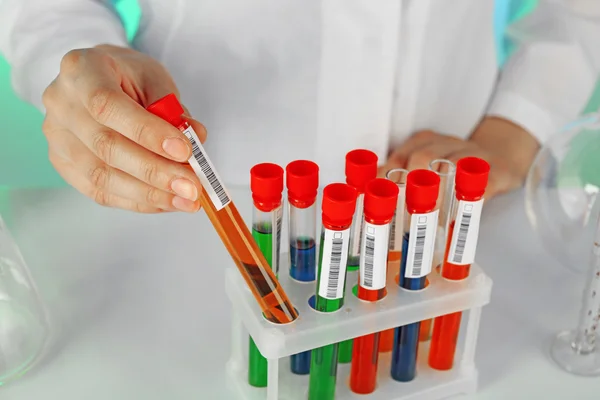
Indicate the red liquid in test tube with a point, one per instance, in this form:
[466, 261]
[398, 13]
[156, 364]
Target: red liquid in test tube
[471, 181]
[381, 196]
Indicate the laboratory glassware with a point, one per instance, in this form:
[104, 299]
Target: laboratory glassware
[25, 329]
[228, 222]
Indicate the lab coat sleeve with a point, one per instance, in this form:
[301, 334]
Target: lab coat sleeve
[548, 80]
[36, 34]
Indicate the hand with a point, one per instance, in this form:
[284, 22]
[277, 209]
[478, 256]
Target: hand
[508, 149]
[104, 143]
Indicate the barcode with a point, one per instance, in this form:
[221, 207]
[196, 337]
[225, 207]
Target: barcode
[369, 257]
[419, 250]
[462, 238]
[209, 173]
[392, 244]
[334, 267]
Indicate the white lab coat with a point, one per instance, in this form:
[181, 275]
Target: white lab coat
[277, 80]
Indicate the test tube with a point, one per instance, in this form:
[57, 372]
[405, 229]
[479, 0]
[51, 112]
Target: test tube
[361, 168]
[339, 202]
[398, 176]
[228, 222]
[381, 197]
[418, 242]
[471, 181]
[266, 185]
[302, 185]
[445, 170]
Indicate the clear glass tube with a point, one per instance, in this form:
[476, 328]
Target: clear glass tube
[446, 170]
[266, 230]
[303, 231]
[577, 351]
[356, 234]
[303, 263]
[24, 323]
[228, 222]
[398, 176]
[418, 245]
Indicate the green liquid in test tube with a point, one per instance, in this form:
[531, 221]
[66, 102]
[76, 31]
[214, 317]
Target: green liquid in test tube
[266, 183]
[339, 203]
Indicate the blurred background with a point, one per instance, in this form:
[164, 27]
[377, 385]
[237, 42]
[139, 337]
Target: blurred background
[23, 152]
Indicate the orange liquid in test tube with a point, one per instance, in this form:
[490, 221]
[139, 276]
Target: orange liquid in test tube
[228, 222]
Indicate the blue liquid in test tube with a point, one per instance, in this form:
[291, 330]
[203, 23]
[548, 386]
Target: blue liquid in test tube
[303, 268]
[303, 260]
[406, 338]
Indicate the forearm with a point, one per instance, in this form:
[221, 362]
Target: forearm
[36, 34]
[550, 78]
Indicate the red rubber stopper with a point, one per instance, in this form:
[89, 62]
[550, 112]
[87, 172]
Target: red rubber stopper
[381, 199]
[471, 177]
[168, 108]
[422, 188]
[361, 168]
[266, 184]
[302, 180]
[339, 203]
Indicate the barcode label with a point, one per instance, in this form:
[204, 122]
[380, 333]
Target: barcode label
[465, 232]
[421, 244]
[276, 248]
[333, 265]
[373, 261]
[357, 227]
[206, 172]
[397, 228]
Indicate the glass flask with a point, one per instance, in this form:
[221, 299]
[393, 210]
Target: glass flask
[561, 199]
[24, 324]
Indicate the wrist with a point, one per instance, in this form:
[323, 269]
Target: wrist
[508, 143]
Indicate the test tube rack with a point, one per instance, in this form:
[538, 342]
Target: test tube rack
[357, 318]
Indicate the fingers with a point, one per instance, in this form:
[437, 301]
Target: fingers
[401, 154]
[84, 186]
[420, 150]
[94, 79]
[108, 185]
[121, 153]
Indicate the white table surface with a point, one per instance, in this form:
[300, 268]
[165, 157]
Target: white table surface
[142, 314]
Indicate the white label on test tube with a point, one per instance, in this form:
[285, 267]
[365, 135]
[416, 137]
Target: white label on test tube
[373, 262]
[333, 265]
[466, 232]
[276, 248]
[421, 244]
[357, 226]
[206, 172]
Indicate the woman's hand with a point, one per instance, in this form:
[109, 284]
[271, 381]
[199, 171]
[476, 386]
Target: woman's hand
[105, 144]
[508, 148]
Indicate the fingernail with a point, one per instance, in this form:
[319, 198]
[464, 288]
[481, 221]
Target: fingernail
[185, 189]
[176, 148]
[185, 204]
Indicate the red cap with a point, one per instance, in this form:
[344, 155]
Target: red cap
[471, 177]
[361, 168]
[339, 203]
[302, 180]
[168, 108]
[422, 188]
[381, 199]
[266, 183]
